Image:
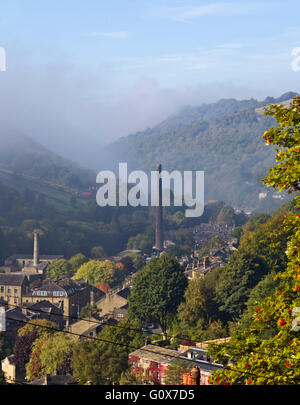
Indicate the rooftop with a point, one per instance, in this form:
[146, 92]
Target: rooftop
[155, 353]
[44, 306]
[66, 286]
[16, 314]
[12, 279]
[30, 311]
[29, 256]
[85, 326]
[124, 293]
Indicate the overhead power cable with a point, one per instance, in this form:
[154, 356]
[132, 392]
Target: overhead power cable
[120, 344]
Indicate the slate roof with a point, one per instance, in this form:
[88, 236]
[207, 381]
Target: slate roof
[41, 257]
[44, 306]
[39, 266]
[124, 293]
[156, 353]
[67, 285]
[13, 279]
[199, 358]
[16, 314]
[33, 311]
[87, 325]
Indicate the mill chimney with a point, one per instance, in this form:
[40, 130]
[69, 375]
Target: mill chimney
[36, 253]
[159, 233]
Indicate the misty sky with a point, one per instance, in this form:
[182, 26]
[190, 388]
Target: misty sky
[80, 74]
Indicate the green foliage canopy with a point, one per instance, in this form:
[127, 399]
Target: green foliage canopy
[157, 291]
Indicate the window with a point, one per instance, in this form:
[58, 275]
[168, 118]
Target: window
[8, 290]
[41, 293]
[58, 293]
[16, 291]
[2, 289]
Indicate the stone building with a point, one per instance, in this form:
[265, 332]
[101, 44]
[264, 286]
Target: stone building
[87, 328]
[199, 359]
[152, 361]
[31, 265]
[12, 287]
[17, 317]
[68, 294]
[9, 369]
[115, 305]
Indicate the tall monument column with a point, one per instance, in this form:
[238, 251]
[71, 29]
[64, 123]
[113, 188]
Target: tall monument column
[36, 249]
[159, 233]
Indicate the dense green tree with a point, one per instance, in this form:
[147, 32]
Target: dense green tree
[98, 272]
[40, 326]
[175, 370]
[242, 273]
[215, 243]
[184, 239]
[29, 337]
[260, 252]
[59, 269]
[43, 329]
[199, 309]
[34, 368]
[138, 261]
[237, 232]
[141, 242]
[130, 377]
[262, 290]
[97, 252]
[254, 221]
[127, 335]
[226, 216]
[267, 352]
[86, 363]
[54, 351]
[157, 291]
[214, 330]
[76, 261]
[175, 251]
[113, 361]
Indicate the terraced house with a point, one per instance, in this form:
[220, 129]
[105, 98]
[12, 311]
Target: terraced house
[13, 287]
[68, 294]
